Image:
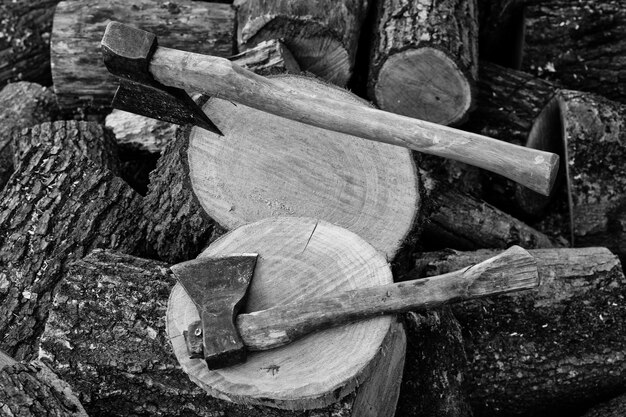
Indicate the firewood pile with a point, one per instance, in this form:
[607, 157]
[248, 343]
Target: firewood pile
[97, 204]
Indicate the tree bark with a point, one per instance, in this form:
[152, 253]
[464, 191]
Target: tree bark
[425, 59]
[322, 35]
[590, 131]
[22, 104]
[457, 220]
[501, 32]
[550, 351]
[34, 390]
[579, 44]
[79, 77]
[271, 166]
[25, 40]
[433, 384]
[128, 368]
[55, 208]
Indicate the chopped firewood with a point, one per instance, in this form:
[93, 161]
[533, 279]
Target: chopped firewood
[322, 35]
[545, 352]
[580, 44]
[425, 59]
[22, 104]
[25, 28]
[128, 368]
[56, 207]
[80, 78]
[270, 57]
[589, 130]
[266, 166]
[34, 390]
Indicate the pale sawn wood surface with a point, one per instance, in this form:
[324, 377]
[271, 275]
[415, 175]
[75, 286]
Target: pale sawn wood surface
[266, 166]
[531, 168]
[299, 257]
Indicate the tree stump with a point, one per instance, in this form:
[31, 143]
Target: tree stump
[25, 40]
[551, 351]
[22, 104]
[299, 258]
[268, 166]
[33, 389]
[114, 368]
[56, 207]
[79, 77]
[579, 44]
[591, 134]
[425, 59]
[322, 35]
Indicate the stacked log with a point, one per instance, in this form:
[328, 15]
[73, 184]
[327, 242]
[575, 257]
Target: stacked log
[322, 35]
[57, 206]
[551, 351]
[424, 59]
[80, 79]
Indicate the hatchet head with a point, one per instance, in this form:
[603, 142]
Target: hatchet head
[218, 287]
[127, 52]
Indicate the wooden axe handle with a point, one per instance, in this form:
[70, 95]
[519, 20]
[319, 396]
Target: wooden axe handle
[512, 270]
[221, 78]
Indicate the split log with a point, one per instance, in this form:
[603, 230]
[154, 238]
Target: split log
[322, 35]
[433, 384]
[298, 258]
[25, 40]
[79, 77]
[270, 57]
[550, 351]
[425, 59]
[613, 408]
[501, 31]
[55, 208]
[129, 369]
[579, 44]
[591, 132]
[268, 166]
[457, 220]
[34, 390]
[22, 104]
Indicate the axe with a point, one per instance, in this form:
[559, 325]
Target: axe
[218, 287]
[154, 80]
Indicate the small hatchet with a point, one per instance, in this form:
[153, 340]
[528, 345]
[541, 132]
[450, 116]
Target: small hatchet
[154, 80]
[218, 287]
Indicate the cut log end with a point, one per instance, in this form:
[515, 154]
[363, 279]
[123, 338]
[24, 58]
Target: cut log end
[426, 84]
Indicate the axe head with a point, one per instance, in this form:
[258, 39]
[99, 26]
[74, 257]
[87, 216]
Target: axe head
[218, 287]
[127, 52]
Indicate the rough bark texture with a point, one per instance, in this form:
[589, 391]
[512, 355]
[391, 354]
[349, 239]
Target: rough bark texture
[178, 228]
[550, 351]
[25, 27]
[458, 220]
[580, 44]
[435, 366]
[106, 335]
[80, 79]
[591, 132]
[34, 390]
[613, 408]
[55, 208]
[322, 35]
[22, 104]
[425, 58]
[501, 31]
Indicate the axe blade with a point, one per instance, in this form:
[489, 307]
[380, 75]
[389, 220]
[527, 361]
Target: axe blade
[168, 104]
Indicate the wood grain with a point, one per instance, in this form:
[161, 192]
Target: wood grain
[299, 257]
